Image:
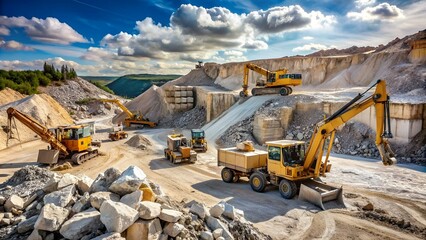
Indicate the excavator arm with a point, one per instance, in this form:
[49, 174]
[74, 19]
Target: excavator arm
[120, 105]
[253, 67]
[326, 129]
[37, 128]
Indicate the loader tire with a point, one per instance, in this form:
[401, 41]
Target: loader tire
[227, 175]
[287, 189]
[258, 182]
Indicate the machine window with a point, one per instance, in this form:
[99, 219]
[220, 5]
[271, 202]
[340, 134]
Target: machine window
[274, 153]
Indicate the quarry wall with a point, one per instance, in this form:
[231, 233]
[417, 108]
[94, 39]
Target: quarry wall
[407, 120]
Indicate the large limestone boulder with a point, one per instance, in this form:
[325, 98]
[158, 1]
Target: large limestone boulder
[217, 210]
[60, 198]
[214, 223]
[96, 199]
[129, 181]
[104, 180]
[52, 184]
[82, 204]
[132, 199]
[206, 235]
[142, 230]
[67, 180]
[170, 215]
[173, 229]
[51, 217]
[14, 201]
[27, 225]
[199, 209]
[81, 224]
[117, 216]
[149, 210]
[84, 184]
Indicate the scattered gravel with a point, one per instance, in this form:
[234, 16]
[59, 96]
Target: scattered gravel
[194, 118]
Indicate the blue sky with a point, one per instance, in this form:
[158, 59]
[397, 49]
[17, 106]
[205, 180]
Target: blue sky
[112, 37]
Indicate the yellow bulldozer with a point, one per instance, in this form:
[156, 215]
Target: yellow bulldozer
[72, 142]
[294, 168]
[275, 82]
[178, 149]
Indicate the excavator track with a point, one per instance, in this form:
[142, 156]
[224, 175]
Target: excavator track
[283, 91]
[80, 158]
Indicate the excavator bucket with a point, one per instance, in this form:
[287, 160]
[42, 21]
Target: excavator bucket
[318, 193]
[48, 156]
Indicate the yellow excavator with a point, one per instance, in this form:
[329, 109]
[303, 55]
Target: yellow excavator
[287, 163]
[67, 141]
[132, 118]
[275, 82]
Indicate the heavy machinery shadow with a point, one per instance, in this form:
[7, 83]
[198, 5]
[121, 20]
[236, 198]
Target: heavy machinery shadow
[17, 165]
[258, 207]
[163, 163]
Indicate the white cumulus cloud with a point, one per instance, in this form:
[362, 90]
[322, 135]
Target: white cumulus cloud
[363, 3]
[199, 33]
[312, 47]
[381, 12]
[14, 45]
[49, 30]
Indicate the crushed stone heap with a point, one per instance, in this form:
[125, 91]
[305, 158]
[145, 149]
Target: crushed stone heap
[116, 205]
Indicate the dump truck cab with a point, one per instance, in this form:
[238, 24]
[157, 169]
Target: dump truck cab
[198, 140]
[178, 149]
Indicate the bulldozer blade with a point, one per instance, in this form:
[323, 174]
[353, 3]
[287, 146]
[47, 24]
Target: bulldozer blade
[318, 193]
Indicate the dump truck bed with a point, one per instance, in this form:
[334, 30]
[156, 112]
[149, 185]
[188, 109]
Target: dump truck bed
[240, 160]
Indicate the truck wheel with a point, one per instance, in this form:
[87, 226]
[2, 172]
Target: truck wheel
[258, 182]
[236, 178]
[242, 94]
[227, 175]
[173, 160]
[287, 189]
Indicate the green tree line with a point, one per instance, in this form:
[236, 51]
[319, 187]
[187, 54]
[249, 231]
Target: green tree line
[28, 81]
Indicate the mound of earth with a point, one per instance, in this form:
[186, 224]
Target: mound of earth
[152, 103]
[139, 141]
[75, 95]
[8, 95]
[42, 108]
[338, 52]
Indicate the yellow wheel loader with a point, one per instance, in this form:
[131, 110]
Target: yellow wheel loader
[295, 169]
[178, 150]
[275, 82]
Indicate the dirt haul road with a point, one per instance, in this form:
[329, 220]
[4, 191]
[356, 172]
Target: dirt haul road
[396, 216]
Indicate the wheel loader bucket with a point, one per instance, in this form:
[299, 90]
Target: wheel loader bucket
[318, 193]
[48, 156]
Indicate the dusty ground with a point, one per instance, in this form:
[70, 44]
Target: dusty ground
[397, 193]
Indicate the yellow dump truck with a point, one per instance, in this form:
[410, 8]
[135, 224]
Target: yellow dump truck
[178, 150]
[238, 163]
[295, 167]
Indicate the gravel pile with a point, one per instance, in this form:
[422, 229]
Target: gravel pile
[74, 96]
[116, 205]
[194, 118]
[139, 141]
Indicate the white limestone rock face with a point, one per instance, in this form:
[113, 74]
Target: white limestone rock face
[96, 199]
[109, 236]
[199, 209]
[170, 215]
[84, 184]
[217, 210]
[129, 181]
[60, 198]
[132, 199]
[51, 218]
[117, 216]
[67, 180]
[173, 229]
[149, 210]
[81, 224]
[15, 202]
